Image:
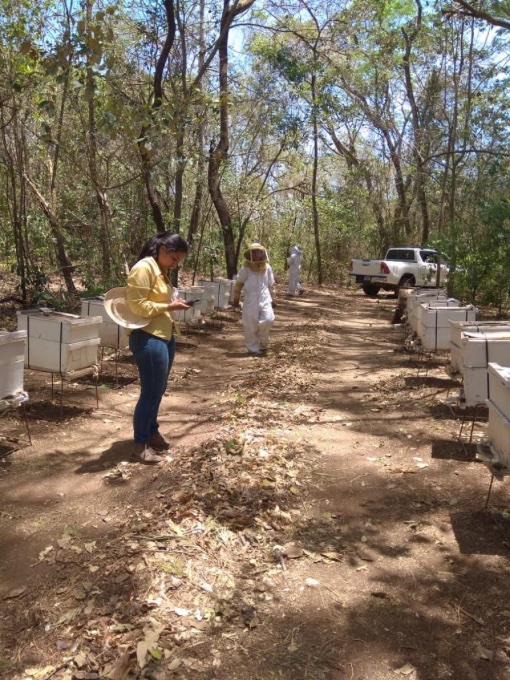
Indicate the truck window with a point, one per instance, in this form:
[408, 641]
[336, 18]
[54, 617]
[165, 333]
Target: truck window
[401, 254]
[428, 257]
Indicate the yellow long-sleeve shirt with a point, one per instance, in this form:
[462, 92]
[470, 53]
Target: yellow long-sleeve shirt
[149, 291]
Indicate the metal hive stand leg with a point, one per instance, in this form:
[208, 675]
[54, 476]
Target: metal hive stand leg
[490, 490]
[23, 411]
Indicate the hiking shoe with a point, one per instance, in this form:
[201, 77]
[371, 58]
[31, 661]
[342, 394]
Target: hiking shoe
[145, 454]
[157, 441]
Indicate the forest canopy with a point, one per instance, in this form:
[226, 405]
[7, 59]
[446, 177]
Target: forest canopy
[347, 127]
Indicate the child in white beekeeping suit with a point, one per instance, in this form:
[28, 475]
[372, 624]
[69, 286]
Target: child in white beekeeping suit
[256, 277]
[294, 263]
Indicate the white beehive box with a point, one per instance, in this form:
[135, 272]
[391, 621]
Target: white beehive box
[110, 334]
[477, 350]
[12, 356]
[431, 303]
[419, 295]
[206, 297]
[499, 387]
[460, 327]
[475, 386]
[413, 305]
[209, 290]
[435, 330]
[60, 343]
[222, 293]
[191, 315]
[499, 433]
[57, 326]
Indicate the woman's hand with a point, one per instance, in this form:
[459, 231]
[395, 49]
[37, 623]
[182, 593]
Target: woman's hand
[177, 304]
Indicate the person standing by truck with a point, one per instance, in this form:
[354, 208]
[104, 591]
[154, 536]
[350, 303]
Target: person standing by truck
[294, 263]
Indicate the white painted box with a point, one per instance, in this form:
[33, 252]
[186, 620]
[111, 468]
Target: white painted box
[435, 330]
[499, 387]
[60, 357]
[209, 290]
[191, 315]
[429, 304]
[111, 334]
[58, 326]
[499, 433]
[12, 353]
[419, 295]
[224, 292]
[479, 349]
[459, 327]
[206, 296]
[475, 386]
[413, 306]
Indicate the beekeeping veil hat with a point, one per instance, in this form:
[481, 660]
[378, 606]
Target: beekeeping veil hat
[117, 307]
[255, 257]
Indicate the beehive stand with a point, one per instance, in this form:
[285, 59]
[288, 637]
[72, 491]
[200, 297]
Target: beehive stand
[112, 335]
[489, 457]
[69, 377]
[64, 345]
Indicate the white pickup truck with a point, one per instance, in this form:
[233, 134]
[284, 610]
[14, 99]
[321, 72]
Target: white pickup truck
[402, 267]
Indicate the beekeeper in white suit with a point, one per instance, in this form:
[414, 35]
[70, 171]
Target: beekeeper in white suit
[294, 264]
[256, 278]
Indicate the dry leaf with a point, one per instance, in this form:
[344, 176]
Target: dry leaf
[120, 669]
[45, 552]
[16, 592]
[483, 653]
[37, 673]
[332, 555]
[407, 669]
[149, 642]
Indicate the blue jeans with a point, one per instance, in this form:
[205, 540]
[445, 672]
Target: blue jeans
[154, 358]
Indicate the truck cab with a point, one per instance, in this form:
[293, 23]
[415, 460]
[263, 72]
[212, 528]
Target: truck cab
[402, 266]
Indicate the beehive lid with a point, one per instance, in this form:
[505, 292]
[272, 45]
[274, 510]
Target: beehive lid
[73, 319]
[15, 336]
[501, 373]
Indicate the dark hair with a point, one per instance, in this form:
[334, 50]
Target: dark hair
[172, 243]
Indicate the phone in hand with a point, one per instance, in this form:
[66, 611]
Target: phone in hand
[190, 303]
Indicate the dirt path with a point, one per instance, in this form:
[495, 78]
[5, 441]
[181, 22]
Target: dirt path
[318, 519]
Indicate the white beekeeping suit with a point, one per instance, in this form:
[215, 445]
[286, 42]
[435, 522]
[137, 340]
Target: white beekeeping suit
[255, 278]
[294, 263]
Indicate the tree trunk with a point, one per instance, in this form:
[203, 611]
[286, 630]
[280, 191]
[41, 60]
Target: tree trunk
[65, 263]
[179, 174]
[315, 212]
[144, 146]
[199, 181]
[218, 155]
[102, 202]
[417, 131]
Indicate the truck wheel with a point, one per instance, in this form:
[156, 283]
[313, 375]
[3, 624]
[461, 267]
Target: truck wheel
[407, 281]
[371, 289]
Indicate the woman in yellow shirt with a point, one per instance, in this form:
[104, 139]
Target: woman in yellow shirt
[150, 295]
